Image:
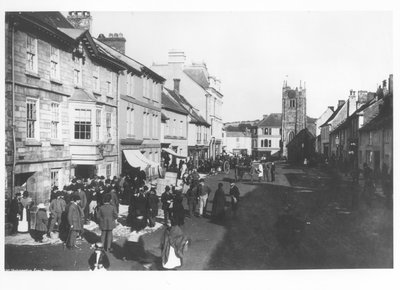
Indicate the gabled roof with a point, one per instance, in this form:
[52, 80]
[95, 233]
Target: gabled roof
[332, 116]
[356, 113]
[194, 117]
[304, 132]
[272, 120]
[131, 64]
[197, 76]
[171, 104]
[52, 18]
[45, 23]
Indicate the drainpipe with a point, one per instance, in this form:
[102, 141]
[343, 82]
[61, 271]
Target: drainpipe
[12, 112]
[117, 123]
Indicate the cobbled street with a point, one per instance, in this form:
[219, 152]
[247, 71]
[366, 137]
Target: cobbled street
[340, 231]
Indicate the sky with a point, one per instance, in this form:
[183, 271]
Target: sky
[254, 52]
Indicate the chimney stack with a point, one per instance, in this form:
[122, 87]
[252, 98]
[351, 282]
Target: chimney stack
[114, 40]
[80, 19]
[176, 85]
[176, 56]
[340, 103]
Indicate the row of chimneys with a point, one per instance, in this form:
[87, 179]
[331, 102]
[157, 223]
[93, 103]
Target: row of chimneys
[364, 96]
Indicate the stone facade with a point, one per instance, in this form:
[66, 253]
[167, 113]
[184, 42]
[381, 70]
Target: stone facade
[43, 82]
[294, 110]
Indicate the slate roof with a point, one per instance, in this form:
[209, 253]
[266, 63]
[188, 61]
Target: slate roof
[239, 128]
[237, 134]
[194, 117]
[171, 104]
[332, 116]
[52, 18]
[272, 120]
[133, 64]
[197, 76]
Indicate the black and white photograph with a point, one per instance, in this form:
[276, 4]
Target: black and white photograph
[199, 140]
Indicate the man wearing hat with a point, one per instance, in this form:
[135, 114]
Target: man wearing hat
[75, 217]
[167, 203]
[56, 208]
[106, 216]
[152, 205]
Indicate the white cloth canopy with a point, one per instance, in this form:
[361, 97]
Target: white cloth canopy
[172, 152]
[136, 159]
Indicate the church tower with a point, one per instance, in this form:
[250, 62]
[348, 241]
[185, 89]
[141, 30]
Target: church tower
[294, 114]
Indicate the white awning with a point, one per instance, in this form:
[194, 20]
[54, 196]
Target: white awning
[136, 159]
[172, 152]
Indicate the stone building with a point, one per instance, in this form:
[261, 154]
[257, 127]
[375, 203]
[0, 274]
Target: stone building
[61, 94]
[174, 128]
[375, 146]
[139, 109]
[269, 132]
[197, 127]
[294, 113]
[321, 120]
[326, 129]
[238, 139]
[202, 91]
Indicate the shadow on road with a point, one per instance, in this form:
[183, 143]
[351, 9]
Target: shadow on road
[327, 236]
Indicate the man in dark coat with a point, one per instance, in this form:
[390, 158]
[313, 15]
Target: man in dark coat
[75, 217]
[178, 211]
[218, 207]
[139, 211]
[106, 215]
[152, 206]
[14, 212]
[167, 200]
[191, 196]
[235, 194]
[114, 199]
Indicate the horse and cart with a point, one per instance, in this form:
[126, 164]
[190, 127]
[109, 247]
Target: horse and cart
[243, 167]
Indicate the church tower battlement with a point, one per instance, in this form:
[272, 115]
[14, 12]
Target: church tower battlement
[294, 113]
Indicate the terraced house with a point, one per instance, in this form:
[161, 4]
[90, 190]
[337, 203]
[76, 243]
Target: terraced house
[61, 104]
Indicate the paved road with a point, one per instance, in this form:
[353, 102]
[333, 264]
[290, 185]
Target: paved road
[334, 236]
